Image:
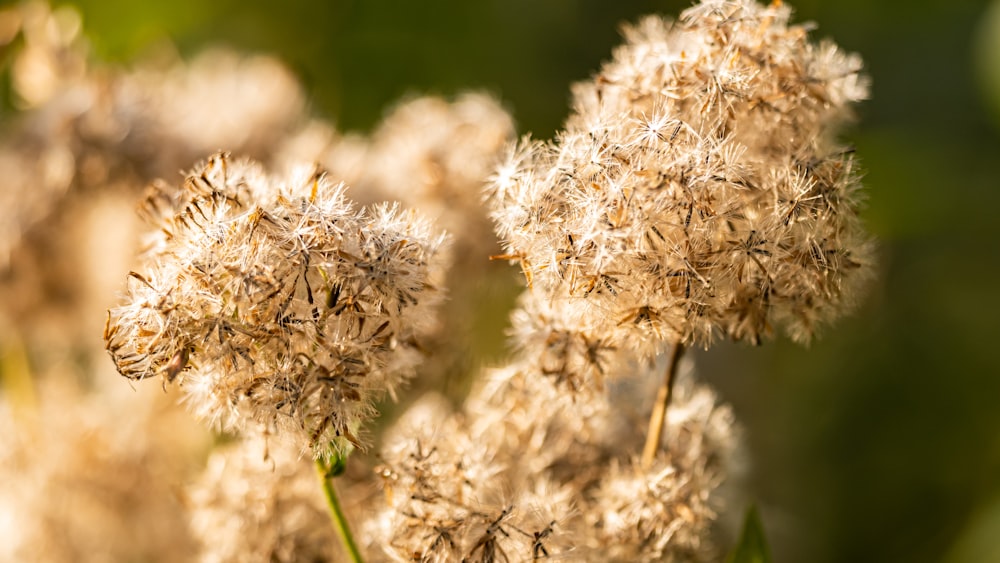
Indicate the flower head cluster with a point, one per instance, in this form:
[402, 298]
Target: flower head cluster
[88, 126]
[437, 154]
[260, 501]
[525, 471]
[697, 189]
[92, 476]
[666, 511]
[274, 300]
[565, 343]
[80, 140]
[449, 498]
[177, 111]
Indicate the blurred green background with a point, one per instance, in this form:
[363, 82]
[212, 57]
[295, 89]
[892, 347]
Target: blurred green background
[880, 442]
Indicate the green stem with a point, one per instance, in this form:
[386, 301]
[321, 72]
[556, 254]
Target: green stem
[325, 472]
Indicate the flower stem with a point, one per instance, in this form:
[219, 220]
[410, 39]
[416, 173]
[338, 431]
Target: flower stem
[16, 381]
[659, 415]
[327, 470]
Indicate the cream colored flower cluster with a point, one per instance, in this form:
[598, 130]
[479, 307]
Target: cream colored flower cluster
[697, 189]
[274, 300]
[261, 498]
[89, 127]
[525, 471]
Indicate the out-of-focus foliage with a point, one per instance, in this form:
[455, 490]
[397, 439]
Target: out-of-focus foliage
[988, 58]
[882, 441]
[752, 545]
[978, 542]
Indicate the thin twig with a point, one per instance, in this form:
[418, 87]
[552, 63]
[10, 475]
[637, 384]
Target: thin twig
[656, 419]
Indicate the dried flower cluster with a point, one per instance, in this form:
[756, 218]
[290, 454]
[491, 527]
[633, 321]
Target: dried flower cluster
[666, 511]
[95, 477]
[448, 497]
[85, 139]
[257, 497]
[87, 127]
[276, 301]
[697, 188]
[697, 191]
[527, 472]
[435, 156]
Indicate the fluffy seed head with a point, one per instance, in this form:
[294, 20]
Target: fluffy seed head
[259, 501]
[449, 498]
[526, 470]
[697, 189]
[274, 300]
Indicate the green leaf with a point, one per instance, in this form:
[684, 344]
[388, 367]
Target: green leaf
[752, 547]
